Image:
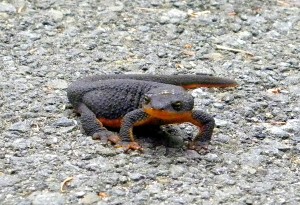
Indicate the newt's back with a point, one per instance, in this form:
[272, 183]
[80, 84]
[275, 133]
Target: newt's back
[111, 98]
[187, 81]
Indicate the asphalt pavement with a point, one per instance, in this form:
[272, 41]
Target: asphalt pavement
[45, 157]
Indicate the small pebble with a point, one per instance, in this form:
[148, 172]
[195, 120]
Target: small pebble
[176, 171]
[6, 7]
[20, 127]
[42, 198]
[90, 198]
[63, 122]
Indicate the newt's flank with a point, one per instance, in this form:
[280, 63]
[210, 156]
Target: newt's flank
[127, 101]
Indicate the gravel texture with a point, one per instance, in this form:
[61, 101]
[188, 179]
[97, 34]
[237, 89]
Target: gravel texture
[254, 155]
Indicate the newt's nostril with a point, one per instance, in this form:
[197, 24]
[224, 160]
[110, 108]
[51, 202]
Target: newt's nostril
[158, 107]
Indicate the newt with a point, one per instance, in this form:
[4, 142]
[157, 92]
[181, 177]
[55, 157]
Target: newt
[127, 101]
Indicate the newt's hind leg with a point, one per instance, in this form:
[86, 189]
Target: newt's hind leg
[93, 127]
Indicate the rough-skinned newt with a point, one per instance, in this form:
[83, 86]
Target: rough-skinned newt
[127, 101]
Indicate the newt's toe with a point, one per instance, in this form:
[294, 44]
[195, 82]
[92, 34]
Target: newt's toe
[96, 136]
[133, 146]
[199, 147]
[114, 139]
[106, 137]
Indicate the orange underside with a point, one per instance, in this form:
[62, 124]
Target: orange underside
[115, 123]
[193, 86]
[157, 117]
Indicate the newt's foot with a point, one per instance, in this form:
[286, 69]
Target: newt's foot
[200, 147]
[111, 137]
[133, 146]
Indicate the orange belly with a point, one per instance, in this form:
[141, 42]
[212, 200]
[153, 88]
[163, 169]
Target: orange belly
[157, 117]
[113, 123]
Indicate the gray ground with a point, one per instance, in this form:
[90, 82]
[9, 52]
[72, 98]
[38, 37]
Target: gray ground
[254, 157]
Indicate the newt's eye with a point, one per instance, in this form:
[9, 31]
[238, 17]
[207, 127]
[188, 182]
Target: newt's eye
[177, 105]
[147, 100]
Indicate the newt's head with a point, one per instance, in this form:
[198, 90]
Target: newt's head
[167, 102]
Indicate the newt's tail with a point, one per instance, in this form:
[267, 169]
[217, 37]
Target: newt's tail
[186, 81]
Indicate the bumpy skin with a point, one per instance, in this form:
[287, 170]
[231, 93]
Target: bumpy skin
[126, 101]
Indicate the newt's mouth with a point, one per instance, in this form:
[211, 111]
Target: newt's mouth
[167, 115]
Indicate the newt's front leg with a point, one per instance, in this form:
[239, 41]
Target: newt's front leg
[131, 119]
[206, 124]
